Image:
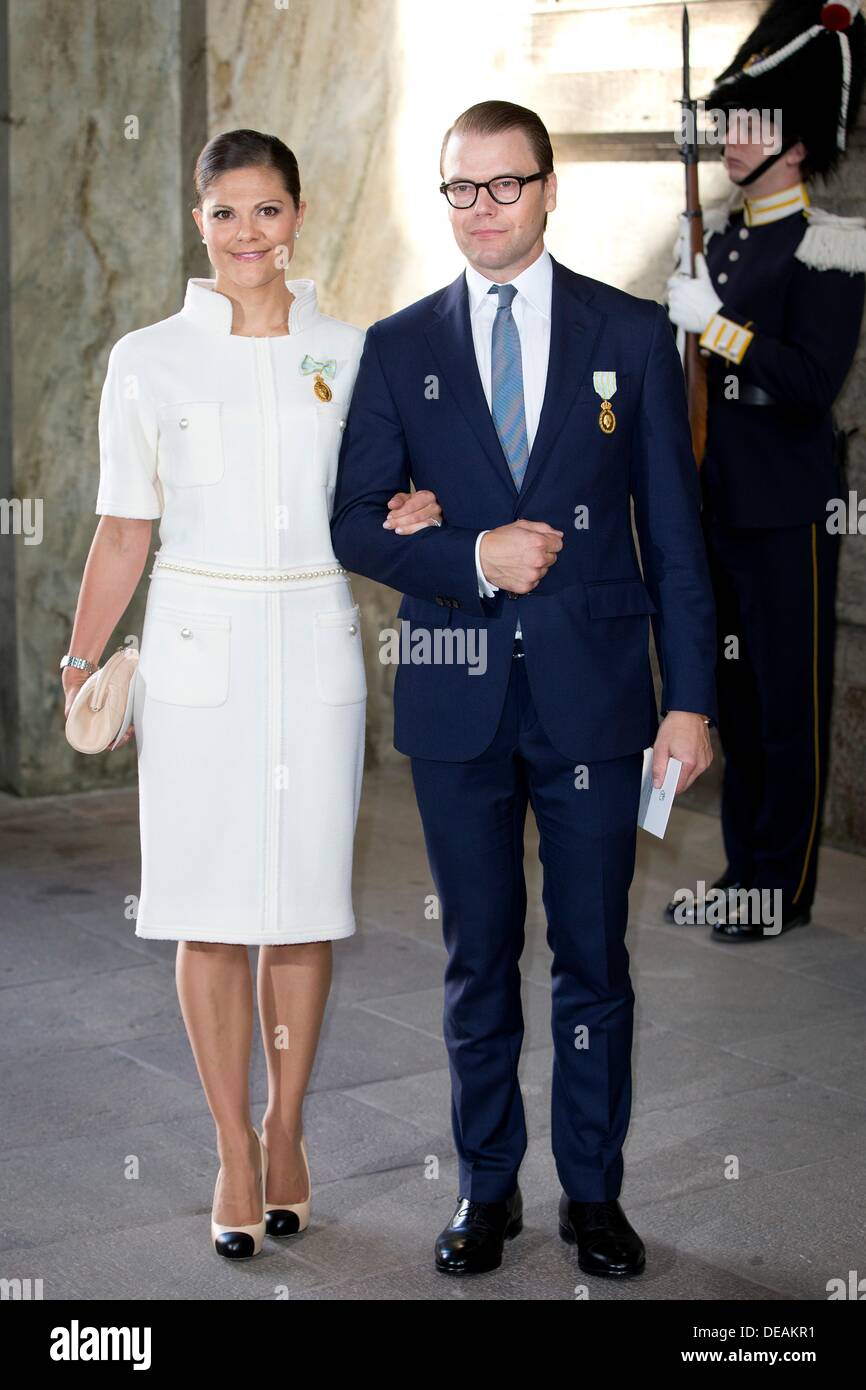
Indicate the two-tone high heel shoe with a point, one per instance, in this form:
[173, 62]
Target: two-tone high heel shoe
[289, 1218]
[242, 1242]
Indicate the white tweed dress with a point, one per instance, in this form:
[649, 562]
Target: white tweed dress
[250, 704]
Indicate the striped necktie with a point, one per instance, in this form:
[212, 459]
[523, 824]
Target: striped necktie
[507, 385]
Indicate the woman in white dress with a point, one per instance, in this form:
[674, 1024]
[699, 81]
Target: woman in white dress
[224, 421]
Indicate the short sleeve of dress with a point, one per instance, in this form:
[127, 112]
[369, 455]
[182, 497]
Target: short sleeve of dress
[128, 431]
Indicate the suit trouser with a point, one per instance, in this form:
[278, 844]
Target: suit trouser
[775, 591]
[473, 814]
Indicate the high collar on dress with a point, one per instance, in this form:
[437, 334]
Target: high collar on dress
[208, 308]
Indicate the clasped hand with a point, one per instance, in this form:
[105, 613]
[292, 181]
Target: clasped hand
[516, 557]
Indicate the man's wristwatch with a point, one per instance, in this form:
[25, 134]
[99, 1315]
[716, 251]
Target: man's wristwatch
[80, 661]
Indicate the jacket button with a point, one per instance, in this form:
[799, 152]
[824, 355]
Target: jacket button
[744, 232]
[183, 423]
[733, 255]
[722, 279]
[186, 632]
[352, 627]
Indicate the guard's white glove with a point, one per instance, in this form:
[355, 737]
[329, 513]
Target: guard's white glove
[681, 249]
[692, 302]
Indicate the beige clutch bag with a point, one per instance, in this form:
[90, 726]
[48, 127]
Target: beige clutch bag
[102, 710]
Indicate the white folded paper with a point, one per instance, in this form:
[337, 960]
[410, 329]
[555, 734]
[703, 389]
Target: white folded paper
[655, 803]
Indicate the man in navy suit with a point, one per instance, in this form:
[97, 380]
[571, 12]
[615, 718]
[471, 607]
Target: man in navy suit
[535, 403]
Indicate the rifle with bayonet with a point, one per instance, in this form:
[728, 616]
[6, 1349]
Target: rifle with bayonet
[694, 365]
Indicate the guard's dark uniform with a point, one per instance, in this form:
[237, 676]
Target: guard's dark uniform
[791, 281]
[768, 473]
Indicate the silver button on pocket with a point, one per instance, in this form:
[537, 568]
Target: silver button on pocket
[177, 671]
[190, 445]
[340, 675]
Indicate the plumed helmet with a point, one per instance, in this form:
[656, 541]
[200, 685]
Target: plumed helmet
[806, 59]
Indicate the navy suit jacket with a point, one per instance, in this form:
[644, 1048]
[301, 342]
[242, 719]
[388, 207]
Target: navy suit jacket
[418, 412]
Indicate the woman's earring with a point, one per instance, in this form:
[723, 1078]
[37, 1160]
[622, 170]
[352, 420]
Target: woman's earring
[297, 234]
[204, 241]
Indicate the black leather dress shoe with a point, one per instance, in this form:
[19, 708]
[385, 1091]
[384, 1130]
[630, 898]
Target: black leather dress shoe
[606, 1242]
[687, 917]
[473, 1239]
[745, 931]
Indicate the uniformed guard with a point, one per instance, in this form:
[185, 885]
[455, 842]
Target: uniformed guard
[778, 302]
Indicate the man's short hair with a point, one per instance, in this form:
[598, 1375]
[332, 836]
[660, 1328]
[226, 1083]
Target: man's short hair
[492, 117]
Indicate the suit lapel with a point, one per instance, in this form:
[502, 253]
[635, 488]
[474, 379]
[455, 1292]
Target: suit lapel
[574, 330]
[450, 337]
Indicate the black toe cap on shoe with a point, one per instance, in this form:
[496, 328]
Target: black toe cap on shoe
[235, 1245]
[282, 1223]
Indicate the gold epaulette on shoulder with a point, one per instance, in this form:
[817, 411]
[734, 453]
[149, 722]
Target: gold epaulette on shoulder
[832, 242]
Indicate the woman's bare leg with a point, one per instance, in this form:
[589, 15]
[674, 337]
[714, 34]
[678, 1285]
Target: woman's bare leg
[293, 986]
[214, 987]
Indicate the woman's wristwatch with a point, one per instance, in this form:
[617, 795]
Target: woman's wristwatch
[80, 661]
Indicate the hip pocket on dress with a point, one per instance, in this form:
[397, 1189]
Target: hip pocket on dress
[185, 656]
[340, 675]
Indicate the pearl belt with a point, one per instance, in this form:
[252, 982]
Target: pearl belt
[266, 577]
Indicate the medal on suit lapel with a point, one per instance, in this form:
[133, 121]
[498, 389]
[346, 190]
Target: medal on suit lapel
[605, 385]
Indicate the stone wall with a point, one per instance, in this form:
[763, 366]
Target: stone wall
[94, 123]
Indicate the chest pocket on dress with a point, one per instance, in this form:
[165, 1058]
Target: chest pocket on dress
[340, 675]
[330, 423]
[185, 656]
[191, 443]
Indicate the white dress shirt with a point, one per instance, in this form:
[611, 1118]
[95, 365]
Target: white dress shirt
[531, 311]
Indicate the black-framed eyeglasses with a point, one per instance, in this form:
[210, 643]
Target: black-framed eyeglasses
[507, 188]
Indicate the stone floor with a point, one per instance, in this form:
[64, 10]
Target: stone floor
[757, 1052]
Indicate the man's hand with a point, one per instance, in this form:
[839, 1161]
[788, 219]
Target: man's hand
[516, 557]
[412, 511]
[684, 736]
